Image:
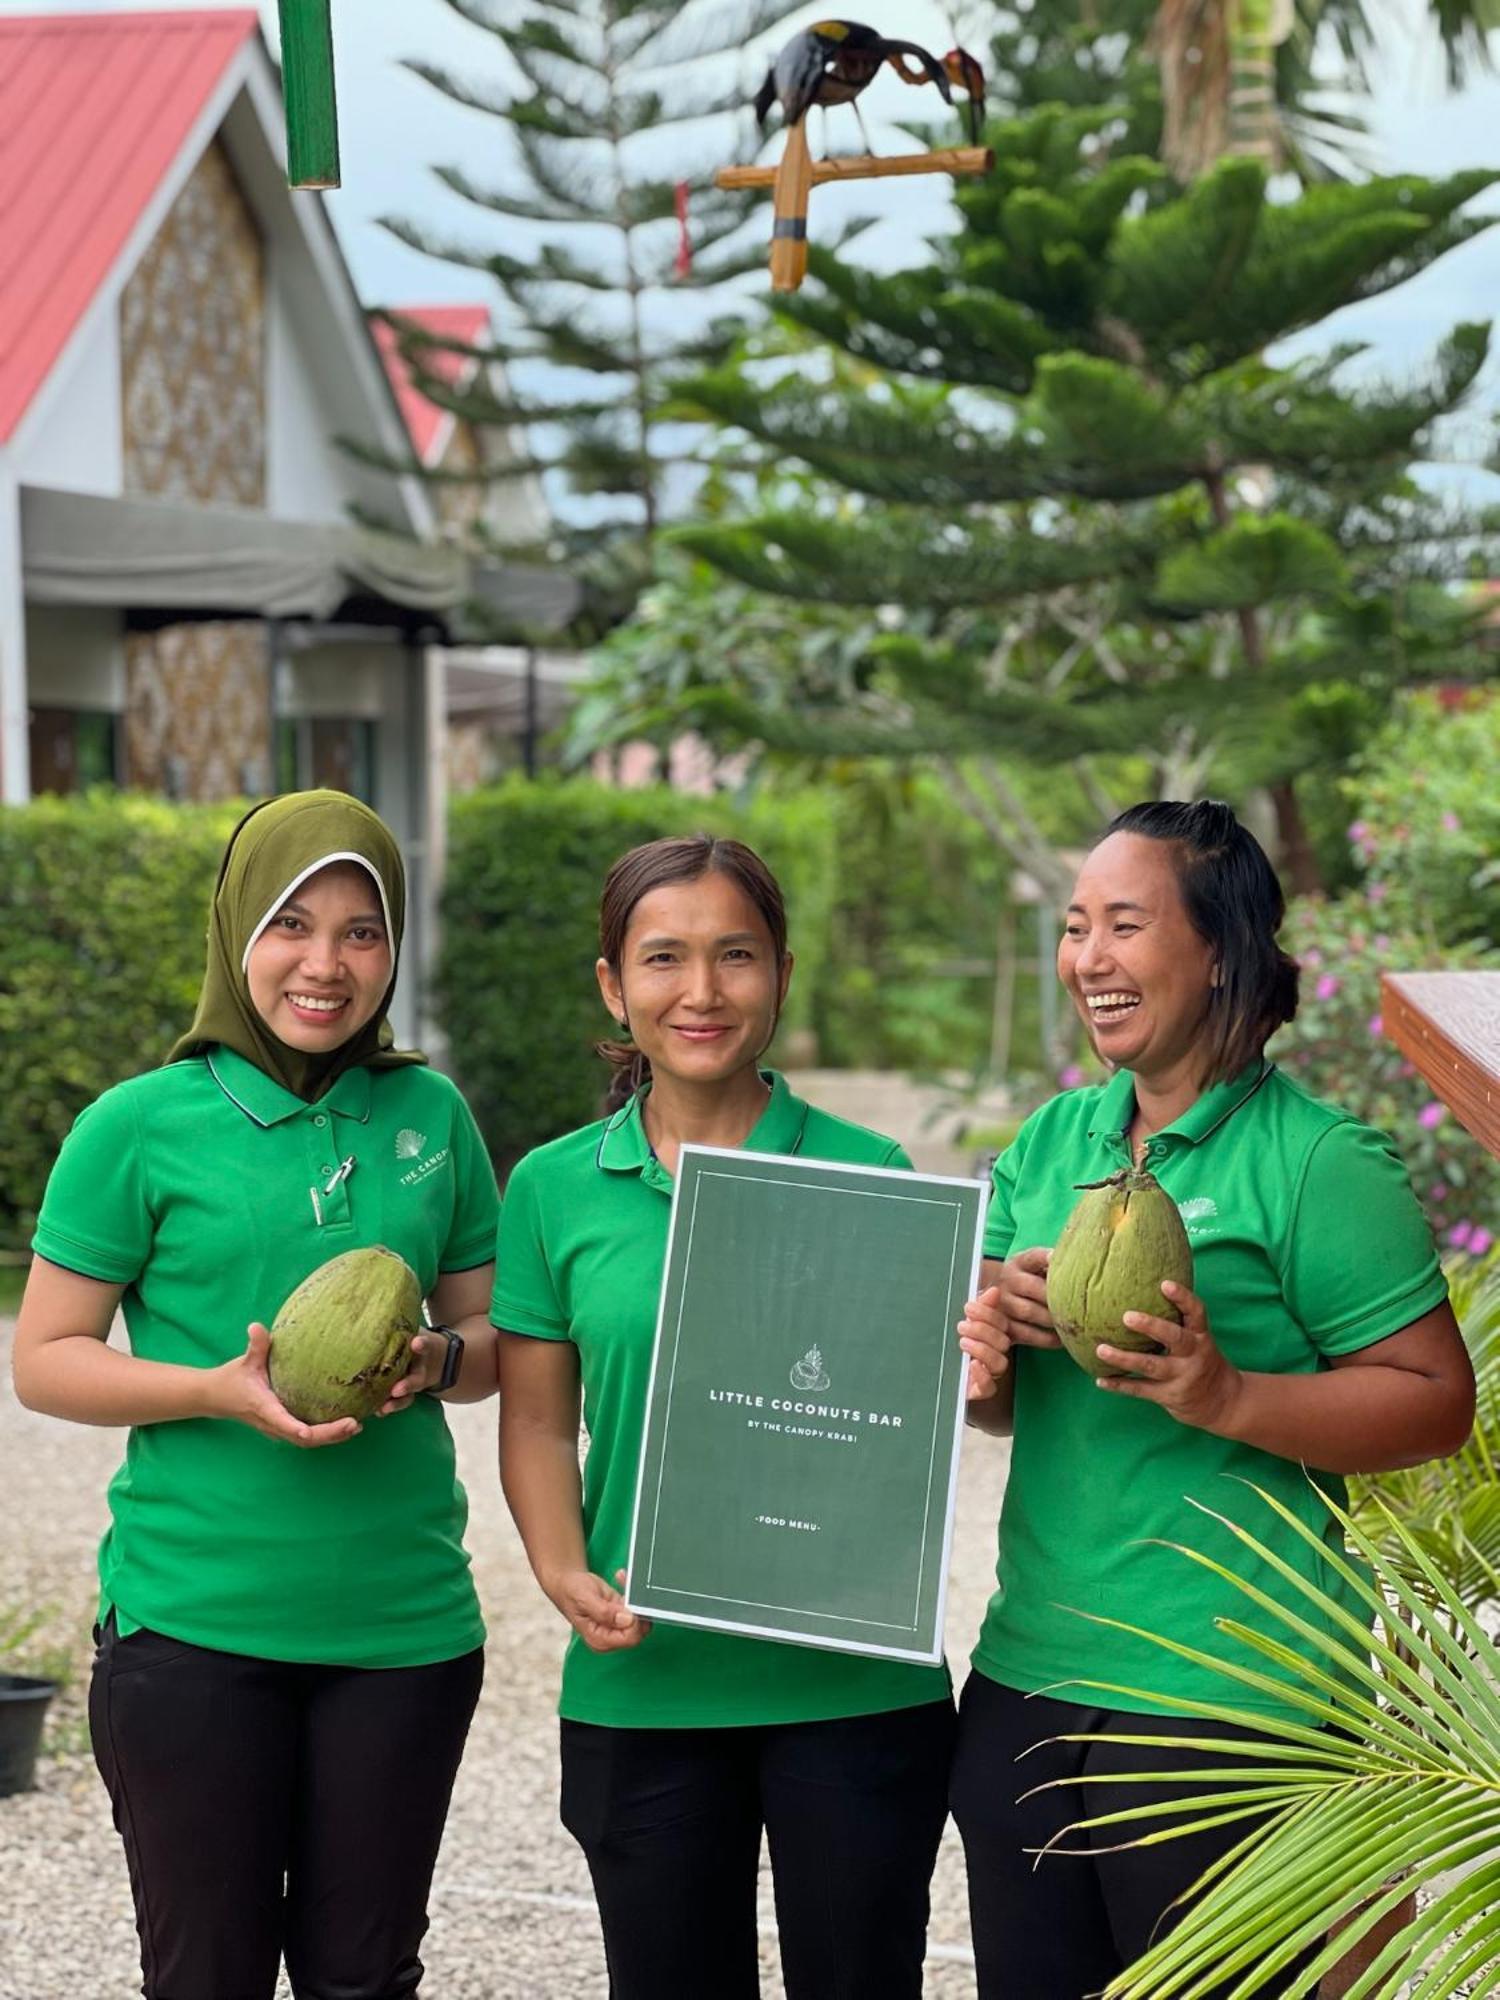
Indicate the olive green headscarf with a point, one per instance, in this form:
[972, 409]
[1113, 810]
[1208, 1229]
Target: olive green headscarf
[276, 846]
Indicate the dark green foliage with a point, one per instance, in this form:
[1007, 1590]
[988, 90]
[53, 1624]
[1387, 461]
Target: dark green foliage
[580, 234]
[105, 909]
[515, 988]
[1079, 508]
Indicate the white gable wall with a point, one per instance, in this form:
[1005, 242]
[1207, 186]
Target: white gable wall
[77, 443]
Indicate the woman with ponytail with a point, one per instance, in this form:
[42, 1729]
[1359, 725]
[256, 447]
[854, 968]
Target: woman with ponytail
[1316, 1339]
[680, 1746]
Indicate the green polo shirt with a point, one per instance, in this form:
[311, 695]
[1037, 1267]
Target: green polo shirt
[202, 1188]
[583, 1240]
[1307, 1242]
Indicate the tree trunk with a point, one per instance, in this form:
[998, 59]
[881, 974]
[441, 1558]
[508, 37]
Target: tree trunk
[1299, 863]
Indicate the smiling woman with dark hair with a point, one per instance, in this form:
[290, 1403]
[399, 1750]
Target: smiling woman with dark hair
[1316, 1338]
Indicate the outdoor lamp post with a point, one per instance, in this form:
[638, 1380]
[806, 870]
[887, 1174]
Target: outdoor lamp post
[312, 126]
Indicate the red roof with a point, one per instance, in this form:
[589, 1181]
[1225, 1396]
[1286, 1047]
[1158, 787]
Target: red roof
[94, 108]
[425, 422]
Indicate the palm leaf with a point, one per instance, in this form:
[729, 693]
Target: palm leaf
[1401, 1792]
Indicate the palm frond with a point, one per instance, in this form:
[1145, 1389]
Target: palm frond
[1399, 1790]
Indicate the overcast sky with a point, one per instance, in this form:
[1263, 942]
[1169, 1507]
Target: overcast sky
[394, 129]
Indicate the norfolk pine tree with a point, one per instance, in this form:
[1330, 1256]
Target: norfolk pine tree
[1109, 524]
[608, 114]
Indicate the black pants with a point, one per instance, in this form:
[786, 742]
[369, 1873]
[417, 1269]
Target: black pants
[670, 1821]
[1062, 1927]
[271, 1809]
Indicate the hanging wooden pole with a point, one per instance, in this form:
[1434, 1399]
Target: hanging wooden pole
[312, 120]
[793, 185]
[796, 174]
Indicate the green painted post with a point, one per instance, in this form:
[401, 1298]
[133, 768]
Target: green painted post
[312, 123]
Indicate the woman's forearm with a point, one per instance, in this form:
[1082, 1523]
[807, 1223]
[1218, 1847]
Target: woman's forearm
[477, 1377]
[1361, 1419]
[79, 1377]
[543, 1487]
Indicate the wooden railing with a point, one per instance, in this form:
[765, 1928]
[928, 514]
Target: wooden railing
[1447, 1025]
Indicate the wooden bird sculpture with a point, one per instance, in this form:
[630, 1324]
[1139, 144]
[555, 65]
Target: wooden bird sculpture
[832, 62]
[829, 63]
[964, 70]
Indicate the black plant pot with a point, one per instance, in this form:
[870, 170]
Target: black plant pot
[23, 1704]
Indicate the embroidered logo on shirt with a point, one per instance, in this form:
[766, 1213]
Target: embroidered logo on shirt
[1198, 1208]
[425, 1169]
[409, 1144]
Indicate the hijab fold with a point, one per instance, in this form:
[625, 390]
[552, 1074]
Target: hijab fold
[277, 846]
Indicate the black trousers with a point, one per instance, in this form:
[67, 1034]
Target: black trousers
[670, 1821]
[1062, 1927]
[271, 1809]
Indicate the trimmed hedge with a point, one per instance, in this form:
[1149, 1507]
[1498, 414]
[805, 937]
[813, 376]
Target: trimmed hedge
[103, 909]
[515, 988]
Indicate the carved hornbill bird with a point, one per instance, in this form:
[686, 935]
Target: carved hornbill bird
[964, 70]
[833, 61]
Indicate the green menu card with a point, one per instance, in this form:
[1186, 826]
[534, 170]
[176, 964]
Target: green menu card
[806, 1402]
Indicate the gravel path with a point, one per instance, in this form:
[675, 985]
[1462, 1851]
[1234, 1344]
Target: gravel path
[512, 1915]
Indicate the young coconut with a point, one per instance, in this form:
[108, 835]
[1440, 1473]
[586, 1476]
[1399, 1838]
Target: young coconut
[1123, 1238]
[343, 1338]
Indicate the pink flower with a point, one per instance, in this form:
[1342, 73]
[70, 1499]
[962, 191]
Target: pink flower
[1382, 942]
[1432, 1115]
[1438, 1192]
[1375, 1025]
[1460, 1235]
[1071, 1077]
[1359, 831]
[1480, 1241]
[1326, 987]
[1376, 892]
[1312, 957]
[1451, 822]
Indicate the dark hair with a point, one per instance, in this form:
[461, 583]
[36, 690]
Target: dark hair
[1234, 902]
[686, 858]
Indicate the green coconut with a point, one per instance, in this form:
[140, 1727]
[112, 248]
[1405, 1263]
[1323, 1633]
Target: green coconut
[344, 1336]
[1122, 1240]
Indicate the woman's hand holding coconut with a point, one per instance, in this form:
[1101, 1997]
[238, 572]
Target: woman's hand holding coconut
[1010, 1311]
[1191, 1379]
[241, 1391]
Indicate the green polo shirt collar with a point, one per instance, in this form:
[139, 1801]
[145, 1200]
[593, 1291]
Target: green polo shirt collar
[625, 1149]
[1220, 1101]
[268, 1102]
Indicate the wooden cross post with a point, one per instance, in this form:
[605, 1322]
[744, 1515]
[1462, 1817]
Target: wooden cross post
[797, 173]
[312, 120]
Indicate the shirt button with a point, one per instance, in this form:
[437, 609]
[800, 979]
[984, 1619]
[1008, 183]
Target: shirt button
[325, 1168]
[320, 1119]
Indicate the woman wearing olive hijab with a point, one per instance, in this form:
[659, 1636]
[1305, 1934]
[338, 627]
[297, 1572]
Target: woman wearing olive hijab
[289, 1640]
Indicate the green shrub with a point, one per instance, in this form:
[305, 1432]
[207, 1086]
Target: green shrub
[1337, 1049]
[1425, 818]
[515, 986]
[105, 906]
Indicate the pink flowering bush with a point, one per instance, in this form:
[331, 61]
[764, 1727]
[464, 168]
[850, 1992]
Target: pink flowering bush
[1336, 1048]
[1424, 828]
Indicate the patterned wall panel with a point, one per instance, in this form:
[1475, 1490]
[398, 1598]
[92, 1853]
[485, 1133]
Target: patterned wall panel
[193, 349]
[198, 710]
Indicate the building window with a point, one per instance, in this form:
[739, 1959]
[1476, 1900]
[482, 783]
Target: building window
[73, 748]
[335, 751]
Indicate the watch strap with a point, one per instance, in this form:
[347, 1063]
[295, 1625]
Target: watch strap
[452, 1360]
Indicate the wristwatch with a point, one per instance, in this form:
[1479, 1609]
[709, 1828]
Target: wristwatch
[453, 1360]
